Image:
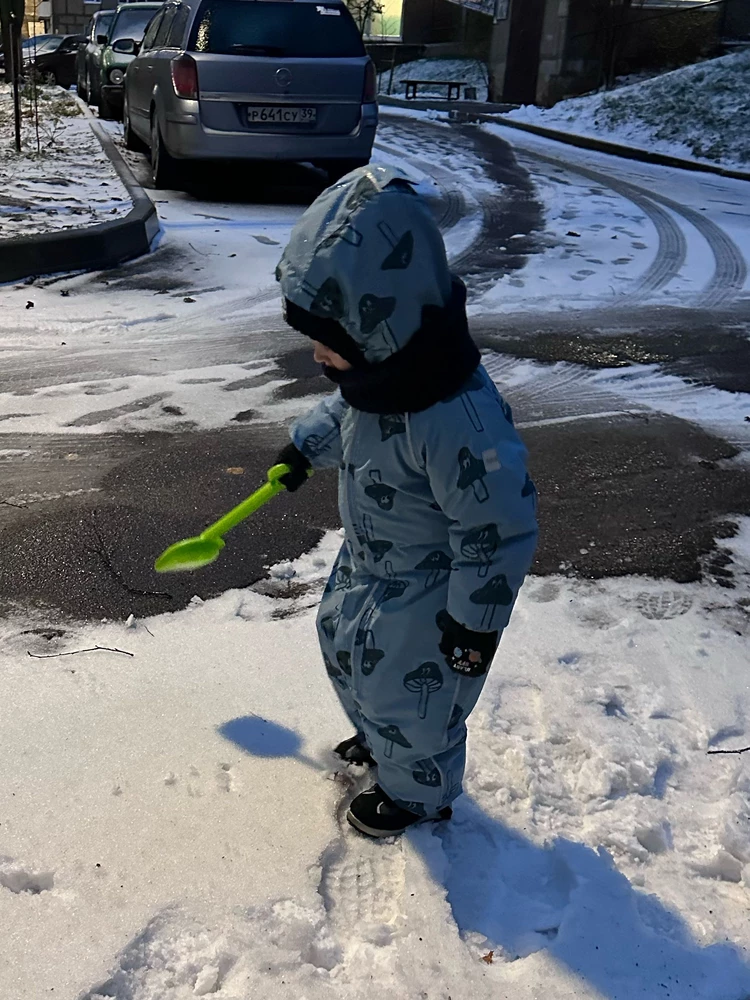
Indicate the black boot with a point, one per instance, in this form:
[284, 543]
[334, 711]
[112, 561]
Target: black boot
[375, 814]
[354, 751]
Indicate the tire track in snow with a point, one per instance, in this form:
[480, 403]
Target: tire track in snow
[731, 268]
[505, 208]
[672, 251]
[730, 272]
[453, 205]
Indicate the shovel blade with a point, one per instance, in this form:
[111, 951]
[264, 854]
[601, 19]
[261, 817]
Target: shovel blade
[189, 554]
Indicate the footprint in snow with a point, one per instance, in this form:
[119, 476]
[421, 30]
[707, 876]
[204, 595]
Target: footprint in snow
[196, 787]
[18, 878]
[544, 594]
[668, 604]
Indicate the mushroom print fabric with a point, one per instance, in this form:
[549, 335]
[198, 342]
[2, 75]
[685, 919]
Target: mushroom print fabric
[439, 512]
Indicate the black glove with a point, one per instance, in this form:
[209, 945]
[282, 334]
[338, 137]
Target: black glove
[293, 457]
[467, 653]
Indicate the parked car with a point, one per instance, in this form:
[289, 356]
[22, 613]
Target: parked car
[34, 46]
[58, 66]
[130, 23]
[88, 66]
[37, 43]
[251, 80]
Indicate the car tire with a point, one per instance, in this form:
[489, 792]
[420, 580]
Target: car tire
[107, 110]
[132, 142]
[165, 171]
[49, 78]
[336, 169]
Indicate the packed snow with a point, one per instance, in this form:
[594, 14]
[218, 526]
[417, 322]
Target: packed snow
[468, 71]
[173, 825]
[699, 112]
[64, 182]
[619, 231]
[172, 821]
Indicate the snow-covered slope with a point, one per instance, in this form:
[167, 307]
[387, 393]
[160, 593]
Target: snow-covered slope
[701, 112]
[470, 71]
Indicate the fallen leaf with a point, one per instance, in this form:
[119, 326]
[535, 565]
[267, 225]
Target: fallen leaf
[29, 304]
[235, 470]
[488, 958]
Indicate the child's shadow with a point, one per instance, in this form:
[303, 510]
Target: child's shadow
[515, 898]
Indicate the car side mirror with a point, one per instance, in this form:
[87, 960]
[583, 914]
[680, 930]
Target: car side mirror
[126, 46]
[101, 39]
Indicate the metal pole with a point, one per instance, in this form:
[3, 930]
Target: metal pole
[14, 69]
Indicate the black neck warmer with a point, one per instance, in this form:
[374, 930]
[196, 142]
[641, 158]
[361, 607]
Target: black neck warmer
[434, 365]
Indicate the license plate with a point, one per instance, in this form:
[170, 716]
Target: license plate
[281, 115]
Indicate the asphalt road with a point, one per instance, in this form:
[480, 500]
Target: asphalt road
[623, 491]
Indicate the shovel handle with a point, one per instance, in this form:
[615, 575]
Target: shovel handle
[249, 506]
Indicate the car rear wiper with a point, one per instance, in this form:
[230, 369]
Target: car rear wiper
[256, 50]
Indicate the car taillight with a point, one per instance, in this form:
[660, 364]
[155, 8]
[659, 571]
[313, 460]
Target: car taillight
[370, 93]
[185, 77]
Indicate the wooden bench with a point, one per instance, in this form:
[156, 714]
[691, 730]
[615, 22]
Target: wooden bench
[454, 88]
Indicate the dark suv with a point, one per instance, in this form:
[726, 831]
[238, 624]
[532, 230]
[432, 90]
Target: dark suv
[251, 80]
[88, 67]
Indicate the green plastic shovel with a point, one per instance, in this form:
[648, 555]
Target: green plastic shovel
[193, 553]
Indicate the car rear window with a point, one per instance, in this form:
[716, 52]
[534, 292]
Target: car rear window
[104, 22]
[266, 28]
[132, 23]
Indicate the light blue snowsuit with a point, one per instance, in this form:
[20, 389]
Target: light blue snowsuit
[438, 512]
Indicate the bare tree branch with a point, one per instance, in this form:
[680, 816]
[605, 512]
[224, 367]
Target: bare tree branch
[74, 652]
[742, 750]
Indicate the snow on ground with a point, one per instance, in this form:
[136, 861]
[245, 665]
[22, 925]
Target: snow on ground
[545, 394]
[173, 826]
[595, 245]
[644, 233]
[469, 71]
[67, 183]
[215, 396]
[171, 820]
[699, 112]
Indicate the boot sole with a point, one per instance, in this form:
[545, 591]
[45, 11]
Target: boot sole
[369, 831]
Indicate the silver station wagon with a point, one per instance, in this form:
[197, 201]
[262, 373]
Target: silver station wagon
[250, 80]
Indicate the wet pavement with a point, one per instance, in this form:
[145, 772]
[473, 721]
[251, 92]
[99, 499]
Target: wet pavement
[629, 490]
[711, 348]
[630, 493]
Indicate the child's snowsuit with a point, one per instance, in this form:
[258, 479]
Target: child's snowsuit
[437, 506]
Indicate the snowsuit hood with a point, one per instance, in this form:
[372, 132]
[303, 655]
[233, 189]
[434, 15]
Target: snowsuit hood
[367, 255]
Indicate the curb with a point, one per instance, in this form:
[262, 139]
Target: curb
[580, 141]
[91, 248]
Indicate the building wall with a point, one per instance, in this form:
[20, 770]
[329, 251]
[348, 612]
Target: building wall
[70, 17]
[737, 19]
[660, 40]
[428, 21]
